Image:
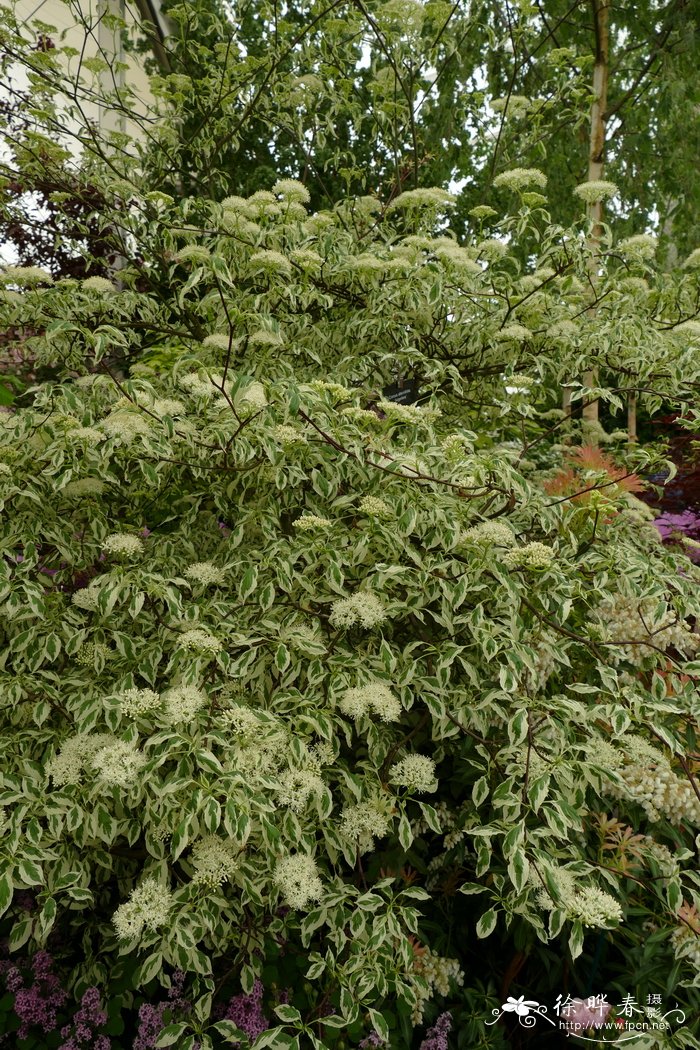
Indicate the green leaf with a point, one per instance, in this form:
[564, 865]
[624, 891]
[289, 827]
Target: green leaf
[171, 1033]
[576, 939]
[288, 1014]
[6, 890]
[487, 923]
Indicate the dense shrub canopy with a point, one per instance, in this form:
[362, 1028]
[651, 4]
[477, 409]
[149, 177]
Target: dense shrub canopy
[292, 670]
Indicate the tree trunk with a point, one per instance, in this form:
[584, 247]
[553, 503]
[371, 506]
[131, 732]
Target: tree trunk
[596, 160]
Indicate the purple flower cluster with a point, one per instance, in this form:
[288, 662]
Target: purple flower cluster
[82, 1032]
[152, 1018]
[246, 1012]
[436, 1037]
[676, 526]
[372, 1040]
[39, 1003]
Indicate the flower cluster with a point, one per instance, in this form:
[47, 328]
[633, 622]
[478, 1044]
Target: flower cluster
[421, 414]
[375, 698]
[288, 436]
[102, 285]
[182, 703]
[375, 507]
[125, 426]
[203, 572]
[491, 533]
[152, 1019]
[39, 1003]
[246, 1012]
[596, 190]
[297, 786]
[76, 752]
[83, 487]
[415, 772]
[587, 904]
[520, 178]
[438, 973]
[214, 860]
[437, 1037]
[297, 878]
[136, 702]
[633, 624]
[118, 763]
[123, 543]
[365, 822]
[533, 555]
[89, 1016]
[149, 906]
[310, 522]
[362, 609]
[644, 775]
[198, 640]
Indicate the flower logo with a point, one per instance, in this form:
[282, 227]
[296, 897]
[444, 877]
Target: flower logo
[521, 1006]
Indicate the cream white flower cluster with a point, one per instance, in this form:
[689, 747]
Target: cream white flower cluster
[362, 609]
[491, 533]
[123, 543]
[311, 522]
[76, 752]
[373, 698]
[533, 555]
[193, 253]
[521, 179]
[183, 702]
[253, 399]
[409, 413]
[375, 507]
[297, 786]
[513, 333]
[594, 907]
[297, 878]
[83, 487]
[415, 772]
[90, 435]
[270, 261]
[336, 391]
[118, 763]
[149, 906]
[214, 860]
[101, 285]
[288, 436]
[125, 426]
[89, 652]
[626, 619]
[195, 385]
[25, 275]
[596, 190]
[645, 776]
[200, 641]
[203, 572]
[642, 246]
[588, 904]
[366, 821]
[136, 702]
[360, 416]
[438, 973]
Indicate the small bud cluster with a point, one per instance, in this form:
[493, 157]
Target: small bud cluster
[118, 764]
[365, 822]
[375, 507]
[490, 533]
[200, 641]
[311, 522]
[532, 556]
[645, 776]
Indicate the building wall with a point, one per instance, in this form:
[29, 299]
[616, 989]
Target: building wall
[80, 25]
